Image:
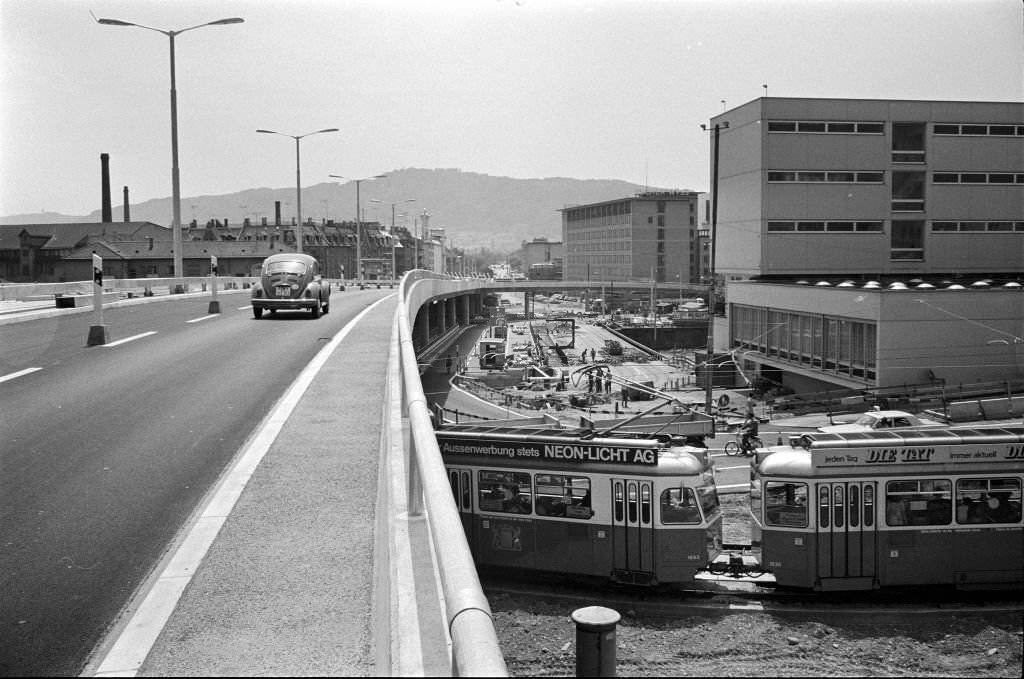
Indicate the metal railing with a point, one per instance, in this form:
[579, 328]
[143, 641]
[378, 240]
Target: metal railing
[475, 650]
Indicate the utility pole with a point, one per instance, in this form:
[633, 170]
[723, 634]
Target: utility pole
[708, 371]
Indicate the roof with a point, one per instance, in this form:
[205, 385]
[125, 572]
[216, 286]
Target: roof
[69, 236]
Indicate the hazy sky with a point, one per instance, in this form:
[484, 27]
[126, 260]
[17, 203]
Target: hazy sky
[611, 89]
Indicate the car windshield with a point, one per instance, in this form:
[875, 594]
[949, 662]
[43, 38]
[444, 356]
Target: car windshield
[285, 266]
[866, 419]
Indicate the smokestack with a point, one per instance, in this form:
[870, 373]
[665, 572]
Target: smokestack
[277, 213]
[105, 164]
[127, 216]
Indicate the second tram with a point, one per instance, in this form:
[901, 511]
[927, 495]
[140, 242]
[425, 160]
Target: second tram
[868, 510]
[631, 508]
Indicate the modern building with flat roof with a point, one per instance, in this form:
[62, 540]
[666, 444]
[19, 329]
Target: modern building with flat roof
[872, 243]
[652, 234]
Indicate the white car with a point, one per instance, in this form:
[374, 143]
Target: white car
[878, 420]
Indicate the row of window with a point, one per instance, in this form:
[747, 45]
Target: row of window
[823, 127]
[818, 226]
[568, 496]
[597, 211]
[874, 177]
[829, 226]
[945, 129]
[835, 345]
[993, 227]
[977, 178]
[908, 502]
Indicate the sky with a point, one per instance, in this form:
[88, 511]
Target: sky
[586, 89]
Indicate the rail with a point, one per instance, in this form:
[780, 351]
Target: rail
[474, 642]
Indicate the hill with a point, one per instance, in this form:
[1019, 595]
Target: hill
[476, 210]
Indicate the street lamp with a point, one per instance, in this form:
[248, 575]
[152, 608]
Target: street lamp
[407, 200]
[175, 184]
[298, 179]
[359, 221]
[711, 268]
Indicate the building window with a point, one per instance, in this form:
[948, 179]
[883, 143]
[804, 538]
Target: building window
[908, 191]
[908, 142]
[907, 239]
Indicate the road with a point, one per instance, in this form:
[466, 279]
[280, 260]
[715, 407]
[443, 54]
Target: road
[105, 451]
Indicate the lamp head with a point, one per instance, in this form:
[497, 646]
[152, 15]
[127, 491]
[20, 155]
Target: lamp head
[114, 22]
[232, 20]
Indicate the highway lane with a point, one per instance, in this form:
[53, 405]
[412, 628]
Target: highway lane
[105, 451]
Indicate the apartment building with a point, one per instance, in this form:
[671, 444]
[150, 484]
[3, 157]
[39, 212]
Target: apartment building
[652, 234]
[872, 243]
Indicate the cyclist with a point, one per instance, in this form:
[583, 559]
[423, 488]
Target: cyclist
[748, 431]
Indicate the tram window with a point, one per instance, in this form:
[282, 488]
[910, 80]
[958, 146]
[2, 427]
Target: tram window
[679, 505]
[508, 492]
[631, 493]
[988, 500]
[854, 514]
[785, 504]
[708, 496]
[453, 480]
[869, 506]
[619, 502]
[837, 505]
[919, 502]
[823, 507]
[645, 504]
[560, 495]
[467, 493]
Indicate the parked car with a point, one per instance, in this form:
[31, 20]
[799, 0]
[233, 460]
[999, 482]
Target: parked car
[878, 420]
[291, 280]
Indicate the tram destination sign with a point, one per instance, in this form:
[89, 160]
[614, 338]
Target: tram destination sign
[918, 455]
[546, 451]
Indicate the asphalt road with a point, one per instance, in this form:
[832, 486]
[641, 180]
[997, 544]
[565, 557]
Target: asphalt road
[105, 451]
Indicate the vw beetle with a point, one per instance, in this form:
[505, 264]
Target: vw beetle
[291, 280]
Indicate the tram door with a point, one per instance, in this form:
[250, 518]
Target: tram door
[632, 529]
[463, 492]
[847, 541]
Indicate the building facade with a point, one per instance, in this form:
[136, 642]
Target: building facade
[872, 243]
[653, 234]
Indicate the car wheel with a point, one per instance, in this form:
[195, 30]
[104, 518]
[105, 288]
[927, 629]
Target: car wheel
[316, 309]
[257, 312]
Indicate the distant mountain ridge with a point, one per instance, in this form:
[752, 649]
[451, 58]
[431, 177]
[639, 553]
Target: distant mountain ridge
[476, 210]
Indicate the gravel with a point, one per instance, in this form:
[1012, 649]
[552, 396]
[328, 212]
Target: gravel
[538, 639]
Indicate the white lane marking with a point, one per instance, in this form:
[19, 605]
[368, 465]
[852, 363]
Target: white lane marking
[732, 485]
[752, 606]
[11, 376]
[243, 308]
[136, 640]
[130, 339]
[725, 469]
[202, 318]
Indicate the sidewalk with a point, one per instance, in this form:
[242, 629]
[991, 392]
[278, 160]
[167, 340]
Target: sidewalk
[287, 586]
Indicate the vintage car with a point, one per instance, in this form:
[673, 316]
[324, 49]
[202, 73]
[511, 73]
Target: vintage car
[290, 280]
[878, 420]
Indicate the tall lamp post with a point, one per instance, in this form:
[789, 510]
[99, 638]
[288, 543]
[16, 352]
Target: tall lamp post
[407, 200]
[175, 184]
[711, 268]
[359, 221]
[298, 179]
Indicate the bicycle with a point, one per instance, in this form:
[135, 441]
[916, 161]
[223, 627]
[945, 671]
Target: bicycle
[736, 447]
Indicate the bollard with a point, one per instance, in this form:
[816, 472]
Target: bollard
[595, 641]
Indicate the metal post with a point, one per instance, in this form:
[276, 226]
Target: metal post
[298, 199]
[359, 238]
[711, 279]
[175, 181]
[595, 641]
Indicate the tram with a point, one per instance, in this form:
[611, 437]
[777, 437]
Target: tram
[633, 508]
[870, 510]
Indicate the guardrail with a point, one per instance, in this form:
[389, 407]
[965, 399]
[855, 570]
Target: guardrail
[128, 287]
[475, 650]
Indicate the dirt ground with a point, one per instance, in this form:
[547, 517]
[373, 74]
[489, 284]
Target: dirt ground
[538, 638]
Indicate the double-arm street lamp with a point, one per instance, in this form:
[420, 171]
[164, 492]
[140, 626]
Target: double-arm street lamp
[708, 369]
[175, 185]
[359, 221]
[394, 272]
[298, 179]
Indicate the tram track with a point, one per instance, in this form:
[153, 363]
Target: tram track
[724, 595]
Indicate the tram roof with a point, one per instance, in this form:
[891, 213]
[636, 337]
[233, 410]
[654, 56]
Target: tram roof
[504, 431]
[914, 437]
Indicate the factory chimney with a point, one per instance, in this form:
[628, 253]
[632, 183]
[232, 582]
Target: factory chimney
[105, 180]
[127, 216]
[277, 213]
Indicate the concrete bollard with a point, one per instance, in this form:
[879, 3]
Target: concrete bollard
[595, 641]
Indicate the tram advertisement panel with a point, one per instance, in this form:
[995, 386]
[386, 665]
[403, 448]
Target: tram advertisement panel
[606, 452]
[898, 455]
